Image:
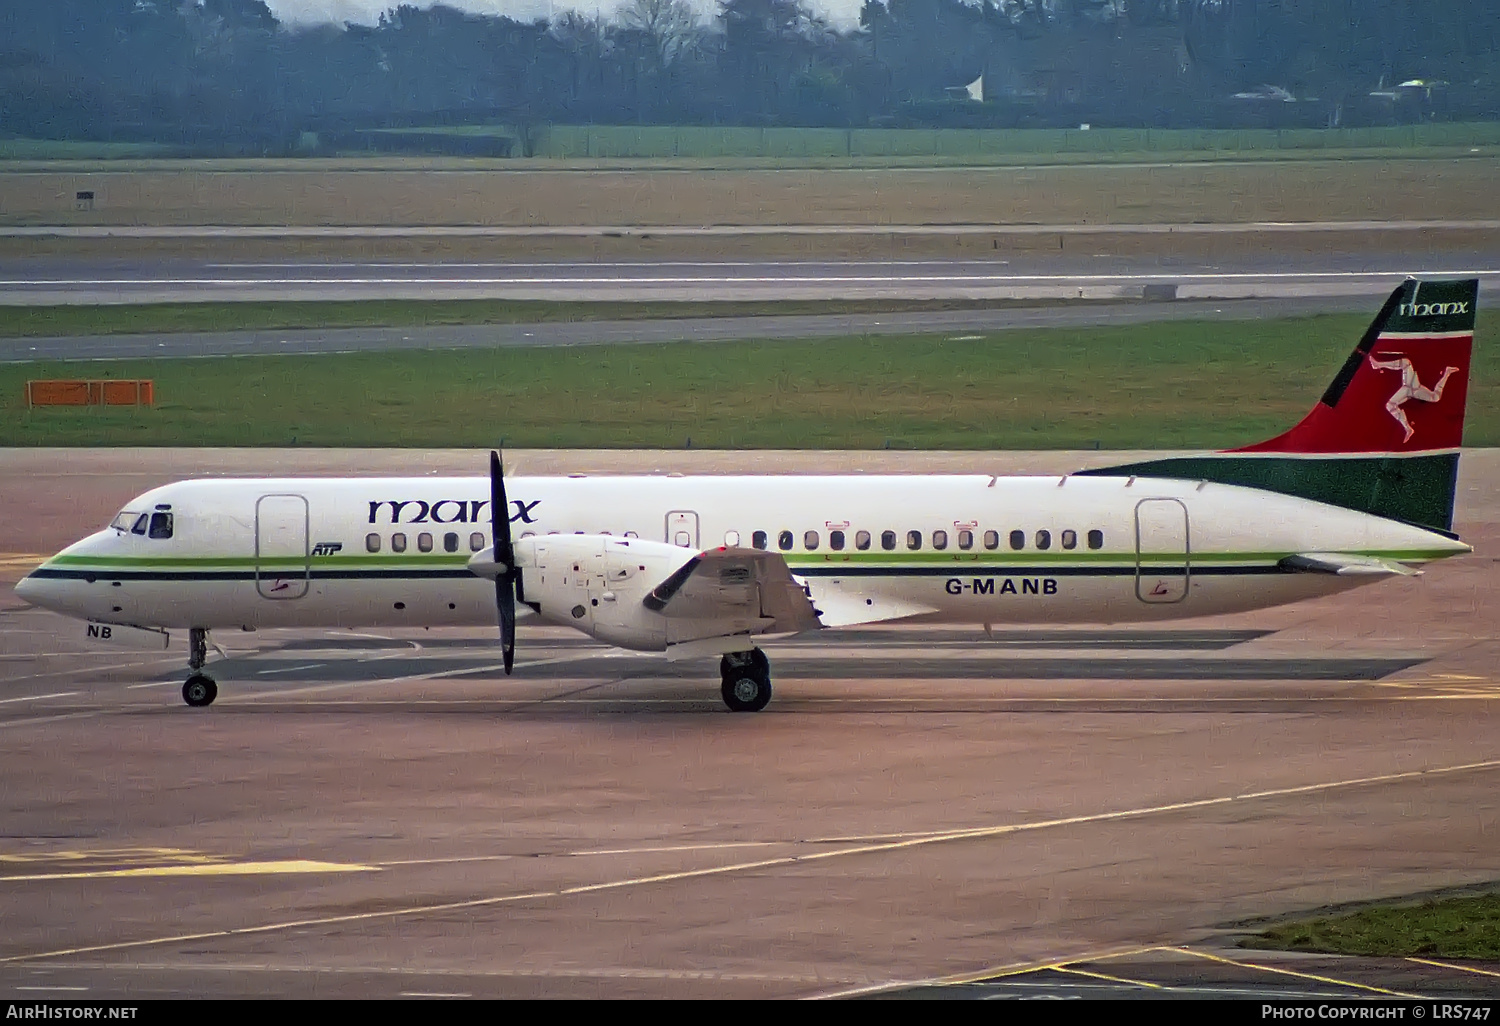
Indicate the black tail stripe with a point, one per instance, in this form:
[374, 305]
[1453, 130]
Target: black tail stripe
[1346, 373]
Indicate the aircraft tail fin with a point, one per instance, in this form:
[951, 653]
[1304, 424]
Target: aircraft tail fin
[1384, 437]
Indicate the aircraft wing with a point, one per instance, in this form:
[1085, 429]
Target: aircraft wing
[1344, 565]
[733, 584]
[730, 583]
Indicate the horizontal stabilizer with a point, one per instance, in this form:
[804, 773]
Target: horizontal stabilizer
[1344, 565]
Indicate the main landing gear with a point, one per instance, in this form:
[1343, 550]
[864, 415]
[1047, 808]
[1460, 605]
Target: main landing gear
[200, 689]
[747, 680]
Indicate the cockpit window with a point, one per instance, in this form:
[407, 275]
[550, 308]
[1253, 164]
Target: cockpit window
[124, 519]
[139, 527]
[161, 525]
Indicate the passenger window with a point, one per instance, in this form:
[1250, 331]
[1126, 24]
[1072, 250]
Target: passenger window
[758, 540]
[836, 540]
[966, 539]
[1018, 540]
[888, 540]
[784, 541]
[424, 542]
[628, 534]
[450, 542]
[914, 539]
[810, 540]
[140, 525]
[1096, 539]
[161, 525]
[862, 540]
[398, 543]
[1044, 539]
[476, 541]
[992, 539]
[940, 539]
[1070, 539]
[732, 539]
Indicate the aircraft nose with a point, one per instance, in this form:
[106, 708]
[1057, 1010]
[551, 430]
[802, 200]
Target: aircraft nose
[28, 589]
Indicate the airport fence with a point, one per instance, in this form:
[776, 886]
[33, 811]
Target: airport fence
[572, 142]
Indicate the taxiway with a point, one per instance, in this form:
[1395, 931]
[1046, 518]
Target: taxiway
[384, 814]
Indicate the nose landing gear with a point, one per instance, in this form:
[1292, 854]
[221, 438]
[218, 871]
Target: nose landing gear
[200, 689]
[746, 680]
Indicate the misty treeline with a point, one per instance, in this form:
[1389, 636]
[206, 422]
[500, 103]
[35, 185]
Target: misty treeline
[227, 71]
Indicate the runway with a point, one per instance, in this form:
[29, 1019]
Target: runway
[919, 811]
[286, 342]
[1083, 275]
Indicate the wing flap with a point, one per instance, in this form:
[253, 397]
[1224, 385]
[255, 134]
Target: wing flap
[840, 605]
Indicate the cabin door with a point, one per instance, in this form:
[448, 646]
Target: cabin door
[281, 553]
[1163, 559]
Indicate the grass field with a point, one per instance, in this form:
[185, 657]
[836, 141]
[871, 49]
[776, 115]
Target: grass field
[1172, 385]
[198, 193]
[721, 143]
[1467, 927]
[41, 321]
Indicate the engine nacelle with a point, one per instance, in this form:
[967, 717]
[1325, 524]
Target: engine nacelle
[598, 583]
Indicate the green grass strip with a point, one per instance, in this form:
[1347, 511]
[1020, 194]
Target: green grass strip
[1167, 385]
[170, 318]
[1466, 927]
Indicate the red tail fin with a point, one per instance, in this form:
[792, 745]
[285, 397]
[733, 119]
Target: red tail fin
[1404, 388]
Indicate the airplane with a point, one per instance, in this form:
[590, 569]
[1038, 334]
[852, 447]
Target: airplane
[1361, 489]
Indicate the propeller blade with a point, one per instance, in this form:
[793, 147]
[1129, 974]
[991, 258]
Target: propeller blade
[507, 581]
[505, 601]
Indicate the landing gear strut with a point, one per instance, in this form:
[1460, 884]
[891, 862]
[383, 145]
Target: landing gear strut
[746, 680]
[200, 689]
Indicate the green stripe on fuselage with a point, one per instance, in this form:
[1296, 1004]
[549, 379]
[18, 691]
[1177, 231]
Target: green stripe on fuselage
[1416, 490]
[958, 561]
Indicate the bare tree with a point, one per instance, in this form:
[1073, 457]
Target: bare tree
[670, 28]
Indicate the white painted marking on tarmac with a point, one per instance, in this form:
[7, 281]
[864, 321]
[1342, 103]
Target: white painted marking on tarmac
[874, 848]
[903, 839]
[592, 231]
[90, 669]
[293, 669]
[583, 854]
[714, 280]
[40, 698]
[519, 972]
[679, 847]
[433, 994]
[75, 990]
[36, 720]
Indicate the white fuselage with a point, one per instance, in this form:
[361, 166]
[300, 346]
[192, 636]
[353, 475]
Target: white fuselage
[362, 552]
